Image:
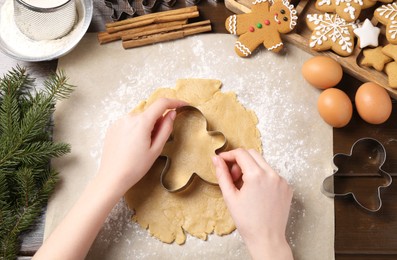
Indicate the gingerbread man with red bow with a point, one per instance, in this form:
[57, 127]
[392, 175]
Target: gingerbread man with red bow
[267, 20]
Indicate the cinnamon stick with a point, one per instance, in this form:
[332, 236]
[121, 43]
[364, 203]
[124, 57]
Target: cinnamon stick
[160, 19]
[134, 35]
[162, 37]
[105, 37]
[185, 10]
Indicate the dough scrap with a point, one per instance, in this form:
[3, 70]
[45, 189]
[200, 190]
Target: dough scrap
[200, 209]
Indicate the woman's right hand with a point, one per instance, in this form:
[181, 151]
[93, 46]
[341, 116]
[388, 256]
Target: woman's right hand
[259, 201]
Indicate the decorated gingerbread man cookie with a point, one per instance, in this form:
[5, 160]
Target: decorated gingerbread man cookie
[347, 9]
[267, 20]
[387, 15]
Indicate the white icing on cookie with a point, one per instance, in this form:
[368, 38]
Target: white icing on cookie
[388, 11]
[275, 46]
[351, 10]
[324, 2]
[393, 30]
[331, 26]
[262, 1]
[241, 47]
[368, 34]
[293, 14]
[233, 24]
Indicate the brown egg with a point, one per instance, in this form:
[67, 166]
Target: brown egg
[373, 103]
[322, 72]
[335, 107]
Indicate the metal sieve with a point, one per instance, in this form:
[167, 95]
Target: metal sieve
[40, 23]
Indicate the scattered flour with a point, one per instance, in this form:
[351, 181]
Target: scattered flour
[292, 132]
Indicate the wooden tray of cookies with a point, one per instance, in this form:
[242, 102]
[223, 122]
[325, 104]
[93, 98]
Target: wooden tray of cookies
[301, 35]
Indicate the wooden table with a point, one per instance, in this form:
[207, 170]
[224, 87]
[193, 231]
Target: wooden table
[358, 234]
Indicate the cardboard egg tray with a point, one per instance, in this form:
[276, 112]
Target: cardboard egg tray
[301, 34]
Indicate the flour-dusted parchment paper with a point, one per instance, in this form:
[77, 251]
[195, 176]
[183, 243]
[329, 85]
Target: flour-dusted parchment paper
[112, 81]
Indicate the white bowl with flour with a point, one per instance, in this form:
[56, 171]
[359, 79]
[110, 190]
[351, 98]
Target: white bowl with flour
[18, 46]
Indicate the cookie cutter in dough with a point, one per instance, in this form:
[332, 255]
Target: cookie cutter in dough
[360, 175]
[190, 109]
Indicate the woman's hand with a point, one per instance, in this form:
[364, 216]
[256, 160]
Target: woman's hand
[259, 201]
[134, 142]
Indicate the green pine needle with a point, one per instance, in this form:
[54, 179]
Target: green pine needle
[26, 148]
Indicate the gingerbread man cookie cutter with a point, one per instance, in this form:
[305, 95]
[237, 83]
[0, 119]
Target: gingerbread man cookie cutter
[195, 115]
[359, 173]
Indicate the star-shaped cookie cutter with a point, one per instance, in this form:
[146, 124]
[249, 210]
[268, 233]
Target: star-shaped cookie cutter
[365, 161]
[214, 134]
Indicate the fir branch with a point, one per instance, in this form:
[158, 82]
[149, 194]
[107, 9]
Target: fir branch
[26, 180]
[56, 86]
[40, 152]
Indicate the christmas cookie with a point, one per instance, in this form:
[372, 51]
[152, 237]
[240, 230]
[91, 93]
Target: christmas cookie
[375, 58]
[367, 34]
[391, 51]
[263, 25]
[349, 10]
[391, 71]
[331, 32]
[387, 15]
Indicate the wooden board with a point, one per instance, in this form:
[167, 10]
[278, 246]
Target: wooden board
[302, 33]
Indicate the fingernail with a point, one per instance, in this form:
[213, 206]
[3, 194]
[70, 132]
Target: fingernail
[173, 114]
[215, 160]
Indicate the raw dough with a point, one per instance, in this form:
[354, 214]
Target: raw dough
[200, 209]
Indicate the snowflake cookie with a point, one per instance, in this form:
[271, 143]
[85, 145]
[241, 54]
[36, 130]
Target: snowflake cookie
[267, 20]
[387, 15]
[331, 32]
[347, 9]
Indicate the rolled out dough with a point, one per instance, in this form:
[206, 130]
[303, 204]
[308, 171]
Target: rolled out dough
[200, 209]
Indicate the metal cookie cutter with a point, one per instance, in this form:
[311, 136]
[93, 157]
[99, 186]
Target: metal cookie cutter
[360, 175]
[212, 141]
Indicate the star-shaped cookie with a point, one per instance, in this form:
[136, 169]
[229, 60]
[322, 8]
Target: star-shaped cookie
[391, 71]
[349, 10]
[190, 150]
[391, 51]
[367, 34]
[331, 32]
[375, 58]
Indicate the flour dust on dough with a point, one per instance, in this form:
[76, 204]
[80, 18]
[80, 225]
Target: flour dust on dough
[200, 209]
